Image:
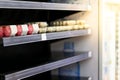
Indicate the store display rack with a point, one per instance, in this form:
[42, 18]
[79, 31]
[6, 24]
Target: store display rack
[17, 40]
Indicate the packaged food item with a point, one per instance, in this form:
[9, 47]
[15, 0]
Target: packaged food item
[42, 24]
[69, 28]
[80, 22]
[24, 29]
[1, 31]
[86, 26]
[30, 29]
[57, 23]
[76, 27]
[81, 27]
[63, 23]
[19, 30]
[51, 29]
[70, 22]
[60, 23]
[54, 24]
[65, 28]
[6, 31]
[61, 28]
[42, 30]
[35, 28]
[58, 28]
[13, 29]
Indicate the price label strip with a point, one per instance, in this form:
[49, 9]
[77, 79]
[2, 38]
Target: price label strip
[43, 36]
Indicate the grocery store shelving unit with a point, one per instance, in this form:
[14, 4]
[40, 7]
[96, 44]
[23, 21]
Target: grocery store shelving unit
[17, 41]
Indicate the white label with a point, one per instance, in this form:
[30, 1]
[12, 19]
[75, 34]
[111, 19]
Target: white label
[35, 28]
[90, 54]
[44, 37]
[24, 29]
[13, 30]
[89, 31]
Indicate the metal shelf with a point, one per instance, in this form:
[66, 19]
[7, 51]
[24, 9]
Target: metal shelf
[46, 67]
[85, 78]
[9, 41]
[43, 5]
[56, 77]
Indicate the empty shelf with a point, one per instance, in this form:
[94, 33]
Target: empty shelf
[46, 67]
[8, 41]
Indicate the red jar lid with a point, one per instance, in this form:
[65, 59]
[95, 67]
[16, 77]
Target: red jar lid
[30, 29]
[19, 30]
[1, 31]
[6, 31]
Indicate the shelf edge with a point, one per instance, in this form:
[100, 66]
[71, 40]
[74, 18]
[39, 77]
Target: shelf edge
[9, 41]
[47, 67]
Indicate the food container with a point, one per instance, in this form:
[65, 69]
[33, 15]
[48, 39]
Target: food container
[42, 30]
[80, 22]
[30, 29]
[24, 29]
[86, 26]
[35, 28]
[6, 31]
[1, 31]
[13, 29]
[19, 30]
[51, 29]
[42, 24]
[76, 27]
